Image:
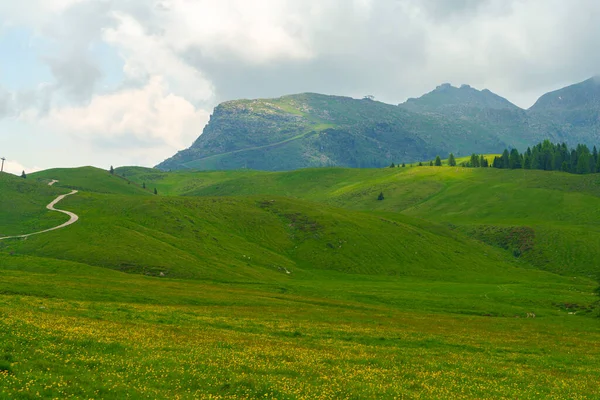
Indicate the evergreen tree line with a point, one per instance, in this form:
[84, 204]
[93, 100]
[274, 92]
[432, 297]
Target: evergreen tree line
[545, 156]
[551, 157]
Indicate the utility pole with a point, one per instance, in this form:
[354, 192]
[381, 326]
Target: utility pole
[2, 168]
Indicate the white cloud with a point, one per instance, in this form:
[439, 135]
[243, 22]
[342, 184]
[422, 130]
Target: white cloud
[180, 57]
[257, 31]
[147, 55]
[150, 122]
[15, 167]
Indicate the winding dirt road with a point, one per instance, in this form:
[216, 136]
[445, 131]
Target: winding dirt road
[73, 217]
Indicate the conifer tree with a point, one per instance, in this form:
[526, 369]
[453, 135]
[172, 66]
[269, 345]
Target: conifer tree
[438, 161]
[514, 159]
[23, 175]
[112, 170]
[505, 159]
[451, 160]
[380, 197]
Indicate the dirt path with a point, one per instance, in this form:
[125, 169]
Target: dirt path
[72, 220]
[53, 182]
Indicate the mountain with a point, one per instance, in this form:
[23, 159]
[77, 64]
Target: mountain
[581, 95]
[315, 130]
[447, 99]
[571, 114]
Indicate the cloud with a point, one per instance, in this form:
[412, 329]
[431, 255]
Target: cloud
[176, 59]
[148, 55]
[75, 71]
[6, 102]
[149, 122]
[16, 168]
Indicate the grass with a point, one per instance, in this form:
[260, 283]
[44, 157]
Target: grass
[90, 179]
[245, 284]
[558, 207]
[23, 206]
[237, 341]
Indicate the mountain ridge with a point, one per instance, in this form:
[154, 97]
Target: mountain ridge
[314, 130]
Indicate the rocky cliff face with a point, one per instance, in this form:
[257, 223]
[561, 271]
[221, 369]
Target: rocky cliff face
[311, 130]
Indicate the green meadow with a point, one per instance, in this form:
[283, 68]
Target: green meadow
[301, 284]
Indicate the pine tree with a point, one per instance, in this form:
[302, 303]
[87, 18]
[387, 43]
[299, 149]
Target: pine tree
[497, 163]
[420, 164]
[438, 161]
[451, 160]
[514, 160]
[403, 165]
[23, 175]
[155, 191]
[143, 185]
[583, 163]
[392, 165]
[112, 170]
[505, 159]
[380, 197]
[482, 161]
[431, 163]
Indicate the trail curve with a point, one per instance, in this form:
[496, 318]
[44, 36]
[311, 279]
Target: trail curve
[73, 218]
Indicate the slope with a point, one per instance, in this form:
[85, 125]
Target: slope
[255, 238]
[375, 304]
[89, 179]
[551, 206]
[23, 206]
[570, 114]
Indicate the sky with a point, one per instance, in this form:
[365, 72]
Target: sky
[131, 82]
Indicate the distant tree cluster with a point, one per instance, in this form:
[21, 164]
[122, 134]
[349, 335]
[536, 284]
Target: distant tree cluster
[545, 156]
[551, 157]
[476, 161]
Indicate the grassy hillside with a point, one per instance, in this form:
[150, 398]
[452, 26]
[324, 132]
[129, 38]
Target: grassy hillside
[254, 238]
[23, 206]
[246, 284]
[89, 179]
[549, 206]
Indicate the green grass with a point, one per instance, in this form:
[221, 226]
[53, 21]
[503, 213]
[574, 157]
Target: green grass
[90, 179]
[75, 330]
[23, 206]
[558, 207]
[246, 284]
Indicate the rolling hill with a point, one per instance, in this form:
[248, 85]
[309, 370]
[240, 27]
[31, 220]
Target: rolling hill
[316, 130]
[246, 284]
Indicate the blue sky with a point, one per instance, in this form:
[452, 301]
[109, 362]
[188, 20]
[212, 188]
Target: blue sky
[106, 82]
